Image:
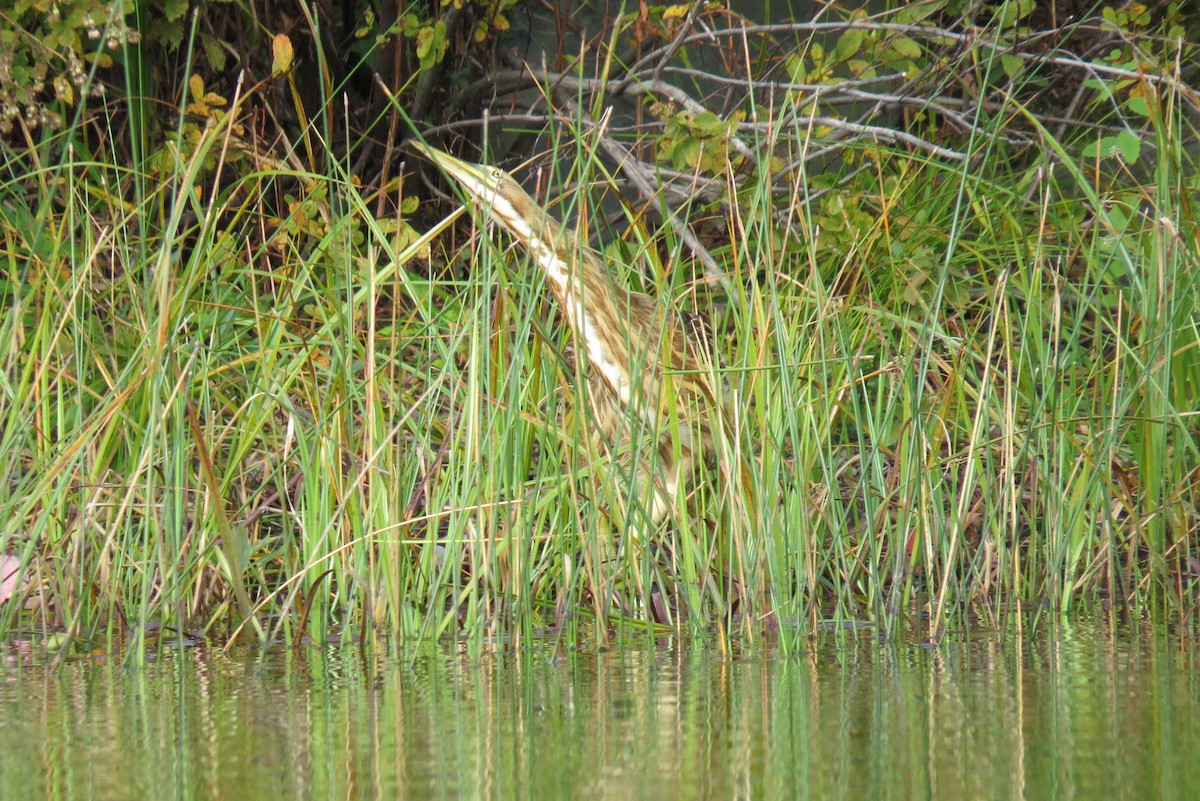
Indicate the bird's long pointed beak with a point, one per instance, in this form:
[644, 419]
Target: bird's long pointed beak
[494, 193]
[474, 177]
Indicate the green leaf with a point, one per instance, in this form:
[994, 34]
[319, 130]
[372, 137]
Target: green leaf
[1012, 65]
[431, 44]
[214, 54]
[793, 64]
[1098, 148]
[1138, 106]
[1012, 11]
[169, 32]
[848, 44]
[915, 12]
[1125, 145]
[685, 154]
[1129, 146]
[708, 124]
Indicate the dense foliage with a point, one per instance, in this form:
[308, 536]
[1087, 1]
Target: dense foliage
[257, 384]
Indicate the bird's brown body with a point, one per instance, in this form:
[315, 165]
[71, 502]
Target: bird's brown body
[648, 368]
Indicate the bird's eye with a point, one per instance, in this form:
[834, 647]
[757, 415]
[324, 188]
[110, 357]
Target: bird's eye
[496, 173]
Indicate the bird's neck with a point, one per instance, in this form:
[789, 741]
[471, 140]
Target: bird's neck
[597, 307]
[575, 271]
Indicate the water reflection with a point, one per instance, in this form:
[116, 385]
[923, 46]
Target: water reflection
[1078, 715]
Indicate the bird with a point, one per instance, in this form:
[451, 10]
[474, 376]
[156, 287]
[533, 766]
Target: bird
[649, 370]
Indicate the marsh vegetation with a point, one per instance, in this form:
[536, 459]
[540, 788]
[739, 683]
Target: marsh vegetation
[261, 380]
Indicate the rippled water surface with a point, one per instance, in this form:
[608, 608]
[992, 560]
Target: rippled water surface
[1072, 715]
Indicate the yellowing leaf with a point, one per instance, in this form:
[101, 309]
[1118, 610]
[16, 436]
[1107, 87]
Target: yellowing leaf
[906, 47]
[282, 53]
[64, 91]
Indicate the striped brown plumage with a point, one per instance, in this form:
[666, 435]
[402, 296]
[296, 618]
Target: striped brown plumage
[648, 367]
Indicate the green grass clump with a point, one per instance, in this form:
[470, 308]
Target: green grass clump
[238, 403]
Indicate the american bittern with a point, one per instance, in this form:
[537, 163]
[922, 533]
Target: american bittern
[648, 369]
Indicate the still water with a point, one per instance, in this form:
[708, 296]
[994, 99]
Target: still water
[1072, 715]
